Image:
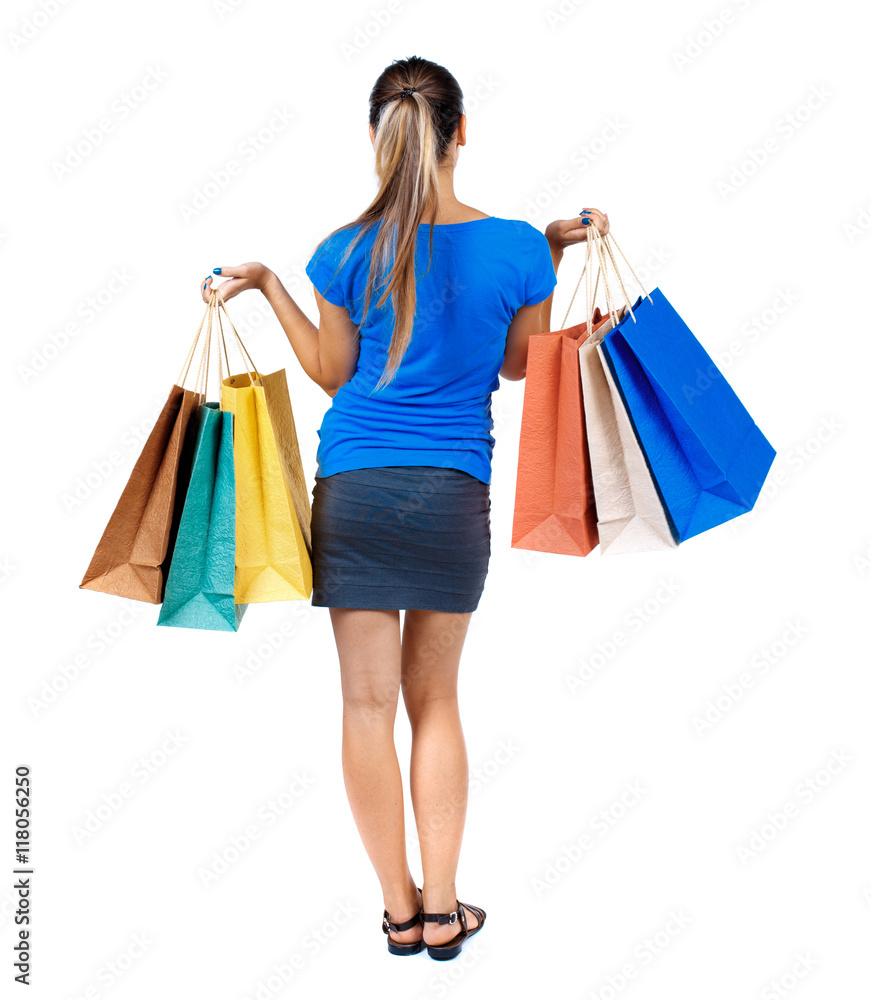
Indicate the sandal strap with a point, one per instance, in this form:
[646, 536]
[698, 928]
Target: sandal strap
[387, 925]
[447, 918]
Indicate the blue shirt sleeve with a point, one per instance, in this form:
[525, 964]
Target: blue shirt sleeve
[540, 277]
[322, 269]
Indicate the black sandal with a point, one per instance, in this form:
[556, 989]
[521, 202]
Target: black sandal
[452, 948]
[397, 947]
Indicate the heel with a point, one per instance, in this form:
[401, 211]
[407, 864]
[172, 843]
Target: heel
[397, 947]
[450, 949]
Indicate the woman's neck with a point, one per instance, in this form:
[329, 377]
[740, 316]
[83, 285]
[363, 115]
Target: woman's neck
[450, 209]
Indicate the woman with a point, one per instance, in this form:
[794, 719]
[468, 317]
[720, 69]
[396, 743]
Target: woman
[400, 507]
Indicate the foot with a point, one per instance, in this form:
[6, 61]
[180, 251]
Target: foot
[413, 933]
[434, 933]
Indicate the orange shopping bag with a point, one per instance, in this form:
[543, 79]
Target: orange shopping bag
[554, 506]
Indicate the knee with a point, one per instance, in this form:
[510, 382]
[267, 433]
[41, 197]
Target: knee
[367, 701]
[421, 694]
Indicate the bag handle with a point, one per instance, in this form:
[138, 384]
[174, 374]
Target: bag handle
[185, 368]
[213, 311]
[603, 246]
[247, 360]
[595, 245]
[201, 385]
[608, 239]
[206, 356]
[578, 285]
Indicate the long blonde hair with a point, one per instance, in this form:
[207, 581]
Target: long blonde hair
[415, 108]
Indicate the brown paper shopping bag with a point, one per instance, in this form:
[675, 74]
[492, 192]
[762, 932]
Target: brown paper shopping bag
[135, 549]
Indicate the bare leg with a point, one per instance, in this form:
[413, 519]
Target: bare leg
[432, 642]
[368, 644]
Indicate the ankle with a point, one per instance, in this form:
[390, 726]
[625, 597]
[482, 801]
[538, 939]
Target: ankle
[401, 899]
[439, 898]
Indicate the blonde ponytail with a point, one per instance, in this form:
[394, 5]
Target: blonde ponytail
[415, 108]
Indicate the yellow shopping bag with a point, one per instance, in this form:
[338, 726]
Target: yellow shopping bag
[273, 510]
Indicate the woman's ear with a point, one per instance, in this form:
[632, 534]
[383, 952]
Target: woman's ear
[372, 135]
[461, 131]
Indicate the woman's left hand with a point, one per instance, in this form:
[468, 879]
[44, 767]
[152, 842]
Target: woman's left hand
[563, 233]
[239, 279]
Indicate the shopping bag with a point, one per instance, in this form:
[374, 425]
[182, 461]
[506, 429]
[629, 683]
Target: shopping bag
[135, 549]
[199, 586]
[706, 454]
[631, 514]
[273, 509]
[554, 505]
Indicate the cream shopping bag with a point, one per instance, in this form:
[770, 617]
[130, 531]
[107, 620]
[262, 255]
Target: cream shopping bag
[631, 515]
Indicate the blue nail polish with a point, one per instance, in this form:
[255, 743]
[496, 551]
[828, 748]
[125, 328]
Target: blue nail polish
[585, 222]
[216, 270]
[205, 284]
[586, 211]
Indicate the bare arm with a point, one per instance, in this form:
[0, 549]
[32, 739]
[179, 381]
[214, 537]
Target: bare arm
[530, 320]
[556, 255]
[527, 321]
[327, 353]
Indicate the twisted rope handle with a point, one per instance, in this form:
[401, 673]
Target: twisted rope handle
[243, 350]
[185, 368]
[594, 245]
[600, 272]
[206, 355]
[578, 285]
[213, 311]
[201, 384]
[603, 247]
[608, 240]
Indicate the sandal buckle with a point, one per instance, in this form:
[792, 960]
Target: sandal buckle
[453, 917]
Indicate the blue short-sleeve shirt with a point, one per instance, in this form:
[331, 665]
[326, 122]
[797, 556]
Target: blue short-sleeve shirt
[436, 411]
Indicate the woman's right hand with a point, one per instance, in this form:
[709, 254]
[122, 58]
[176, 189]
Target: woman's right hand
[239, 279]
[564, 233]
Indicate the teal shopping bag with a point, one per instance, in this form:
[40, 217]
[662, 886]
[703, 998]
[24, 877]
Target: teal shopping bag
[199, 586]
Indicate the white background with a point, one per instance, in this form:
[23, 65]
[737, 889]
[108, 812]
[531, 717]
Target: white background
[728, 240]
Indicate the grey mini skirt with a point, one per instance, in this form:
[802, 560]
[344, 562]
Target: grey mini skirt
[400, 537]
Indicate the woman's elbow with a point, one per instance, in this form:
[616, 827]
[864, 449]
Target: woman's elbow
[332, 383]
[512, 374]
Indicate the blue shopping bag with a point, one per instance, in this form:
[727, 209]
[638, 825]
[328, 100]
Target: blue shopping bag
[199, 586]
[707, 456]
